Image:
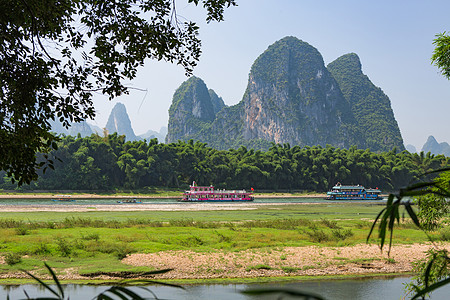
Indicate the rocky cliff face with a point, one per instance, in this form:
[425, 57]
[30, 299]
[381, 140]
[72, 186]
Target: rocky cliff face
[370, 106]
[119, 122]
[291, 97]
[216, 101]
[192, 110]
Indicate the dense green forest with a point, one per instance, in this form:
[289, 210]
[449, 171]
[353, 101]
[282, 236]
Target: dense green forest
[110, 163]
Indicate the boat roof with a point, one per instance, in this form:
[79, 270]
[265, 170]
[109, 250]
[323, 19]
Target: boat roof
[348, 187]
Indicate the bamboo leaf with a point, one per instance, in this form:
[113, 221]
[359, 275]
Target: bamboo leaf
[156, 272]
[374, 224]
[412, 214]
[113, 290]
[436, 171]
[136, 281]
[46, 286]
[127, 291]
[431, 288]
[290, 292]
[428, 270]
[102, 296]
[150, 291]
[55, 279]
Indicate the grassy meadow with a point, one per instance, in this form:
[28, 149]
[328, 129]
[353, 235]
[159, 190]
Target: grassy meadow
[97, 241]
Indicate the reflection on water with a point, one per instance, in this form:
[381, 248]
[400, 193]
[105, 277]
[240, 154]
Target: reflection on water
[362, 289]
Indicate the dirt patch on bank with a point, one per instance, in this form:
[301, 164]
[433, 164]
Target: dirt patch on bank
[289, 261]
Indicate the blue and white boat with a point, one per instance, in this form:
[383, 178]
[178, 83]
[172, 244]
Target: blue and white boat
[353, 192]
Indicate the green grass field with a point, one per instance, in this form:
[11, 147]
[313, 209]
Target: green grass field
[97, 241]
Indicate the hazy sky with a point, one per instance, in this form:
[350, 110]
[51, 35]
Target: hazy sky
[392, 38]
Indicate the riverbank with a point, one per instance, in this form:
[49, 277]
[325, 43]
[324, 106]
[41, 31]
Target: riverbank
[362, 260]
[358, 260]
[276, 245]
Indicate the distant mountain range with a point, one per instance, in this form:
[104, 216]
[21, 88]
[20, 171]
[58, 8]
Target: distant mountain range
[291, 97]
[411, 148]
[118, 121]
[431, 145]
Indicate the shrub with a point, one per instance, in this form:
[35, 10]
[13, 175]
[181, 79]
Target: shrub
[122, 252]
[12, 258]
[91, 236]
[342, 234]
[288, 269]
[259, 267]
[277, 224]
[318, 236]
[222, 238]
[64, 247]
[10, 223]
[432, 209]
[42, 249]
[51, 225]
[182, 223]
[444, 233]
[191, 241]
[21, 231]
[330, 223]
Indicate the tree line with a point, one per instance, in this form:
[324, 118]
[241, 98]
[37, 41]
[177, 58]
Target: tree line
[112, 163]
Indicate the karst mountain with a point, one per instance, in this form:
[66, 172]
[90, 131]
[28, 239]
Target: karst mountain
[291, 97]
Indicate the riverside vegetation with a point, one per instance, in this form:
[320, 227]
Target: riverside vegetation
[95, 243]
[110, 163]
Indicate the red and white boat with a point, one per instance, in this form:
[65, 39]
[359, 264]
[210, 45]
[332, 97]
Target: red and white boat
[209, 194]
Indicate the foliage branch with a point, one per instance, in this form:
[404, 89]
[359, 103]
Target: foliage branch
[434, 272]
[55, 54]
[441, 54]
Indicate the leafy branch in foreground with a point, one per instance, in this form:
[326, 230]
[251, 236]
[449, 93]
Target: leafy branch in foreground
[441, 54]
[435, 270]
[56, 54]
[118, 290]
[284, 292]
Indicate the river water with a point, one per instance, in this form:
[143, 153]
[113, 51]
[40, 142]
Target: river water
[109, 201]
[361, 289]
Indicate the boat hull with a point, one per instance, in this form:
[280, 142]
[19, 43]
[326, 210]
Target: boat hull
[354, 198]
[215, 200]
[208, 194]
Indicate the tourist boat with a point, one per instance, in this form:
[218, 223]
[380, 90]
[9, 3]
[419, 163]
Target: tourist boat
[63, 198]
[353, 192]
[209, 194]
[129, 201]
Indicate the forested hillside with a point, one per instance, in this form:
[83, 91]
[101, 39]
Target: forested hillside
[369, 104]
[109, 163]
